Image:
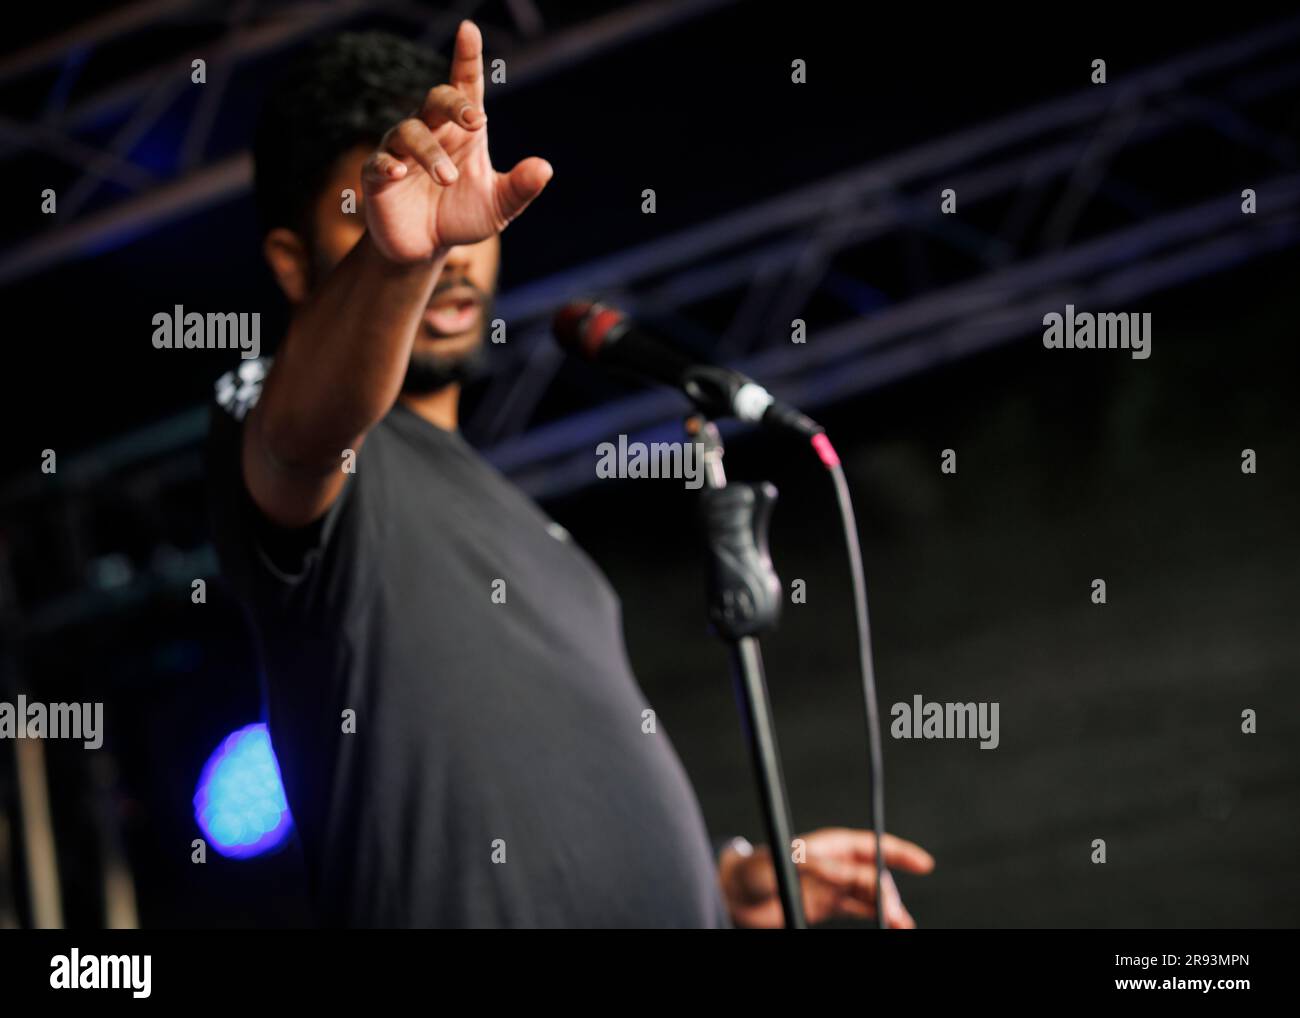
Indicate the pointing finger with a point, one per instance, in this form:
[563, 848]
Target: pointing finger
[467, 63]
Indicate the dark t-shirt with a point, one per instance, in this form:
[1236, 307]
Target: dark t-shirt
[481, 654]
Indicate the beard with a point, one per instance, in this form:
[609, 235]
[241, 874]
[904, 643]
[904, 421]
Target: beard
[428, 370]
[431, 370]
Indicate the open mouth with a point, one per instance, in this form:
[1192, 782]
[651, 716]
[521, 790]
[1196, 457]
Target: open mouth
[452, 313]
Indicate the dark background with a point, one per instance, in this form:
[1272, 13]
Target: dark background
[1119, 721]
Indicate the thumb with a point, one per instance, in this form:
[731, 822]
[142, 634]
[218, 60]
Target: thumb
[516, 189]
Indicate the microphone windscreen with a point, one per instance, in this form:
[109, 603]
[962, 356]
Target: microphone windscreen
[567, 324]
[582, 326]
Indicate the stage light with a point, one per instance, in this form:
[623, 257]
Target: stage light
[239, 803]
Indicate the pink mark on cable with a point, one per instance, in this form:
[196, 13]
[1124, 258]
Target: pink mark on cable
[825, 451]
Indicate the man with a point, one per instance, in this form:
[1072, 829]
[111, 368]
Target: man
[458, 727]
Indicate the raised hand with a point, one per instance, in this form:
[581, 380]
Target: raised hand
[430, 184]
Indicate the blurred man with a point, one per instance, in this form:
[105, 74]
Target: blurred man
[449, 696]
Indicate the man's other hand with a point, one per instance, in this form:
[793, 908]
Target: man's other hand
[837, 878]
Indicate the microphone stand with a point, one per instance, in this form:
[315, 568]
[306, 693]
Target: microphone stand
[745, 600]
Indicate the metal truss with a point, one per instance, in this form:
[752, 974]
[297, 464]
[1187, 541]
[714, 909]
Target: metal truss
[245, 33]
[1027, 185]
[1049, 162]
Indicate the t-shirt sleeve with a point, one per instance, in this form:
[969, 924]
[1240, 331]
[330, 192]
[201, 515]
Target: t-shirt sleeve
[257, 557]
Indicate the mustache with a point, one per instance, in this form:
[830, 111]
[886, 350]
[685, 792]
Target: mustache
[459, 283]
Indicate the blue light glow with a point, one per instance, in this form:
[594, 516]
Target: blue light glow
[239, 802]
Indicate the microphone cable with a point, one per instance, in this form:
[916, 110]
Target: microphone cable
[830, 459]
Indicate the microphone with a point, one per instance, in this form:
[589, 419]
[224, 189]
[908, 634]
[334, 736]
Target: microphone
[605, 335]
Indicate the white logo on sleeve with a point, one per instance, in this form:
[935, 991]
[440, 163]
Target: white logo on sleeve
[238, 390]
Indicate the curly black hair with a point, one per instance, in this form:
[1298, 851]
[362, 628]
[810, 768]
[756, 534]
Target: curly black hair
[345, 90]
